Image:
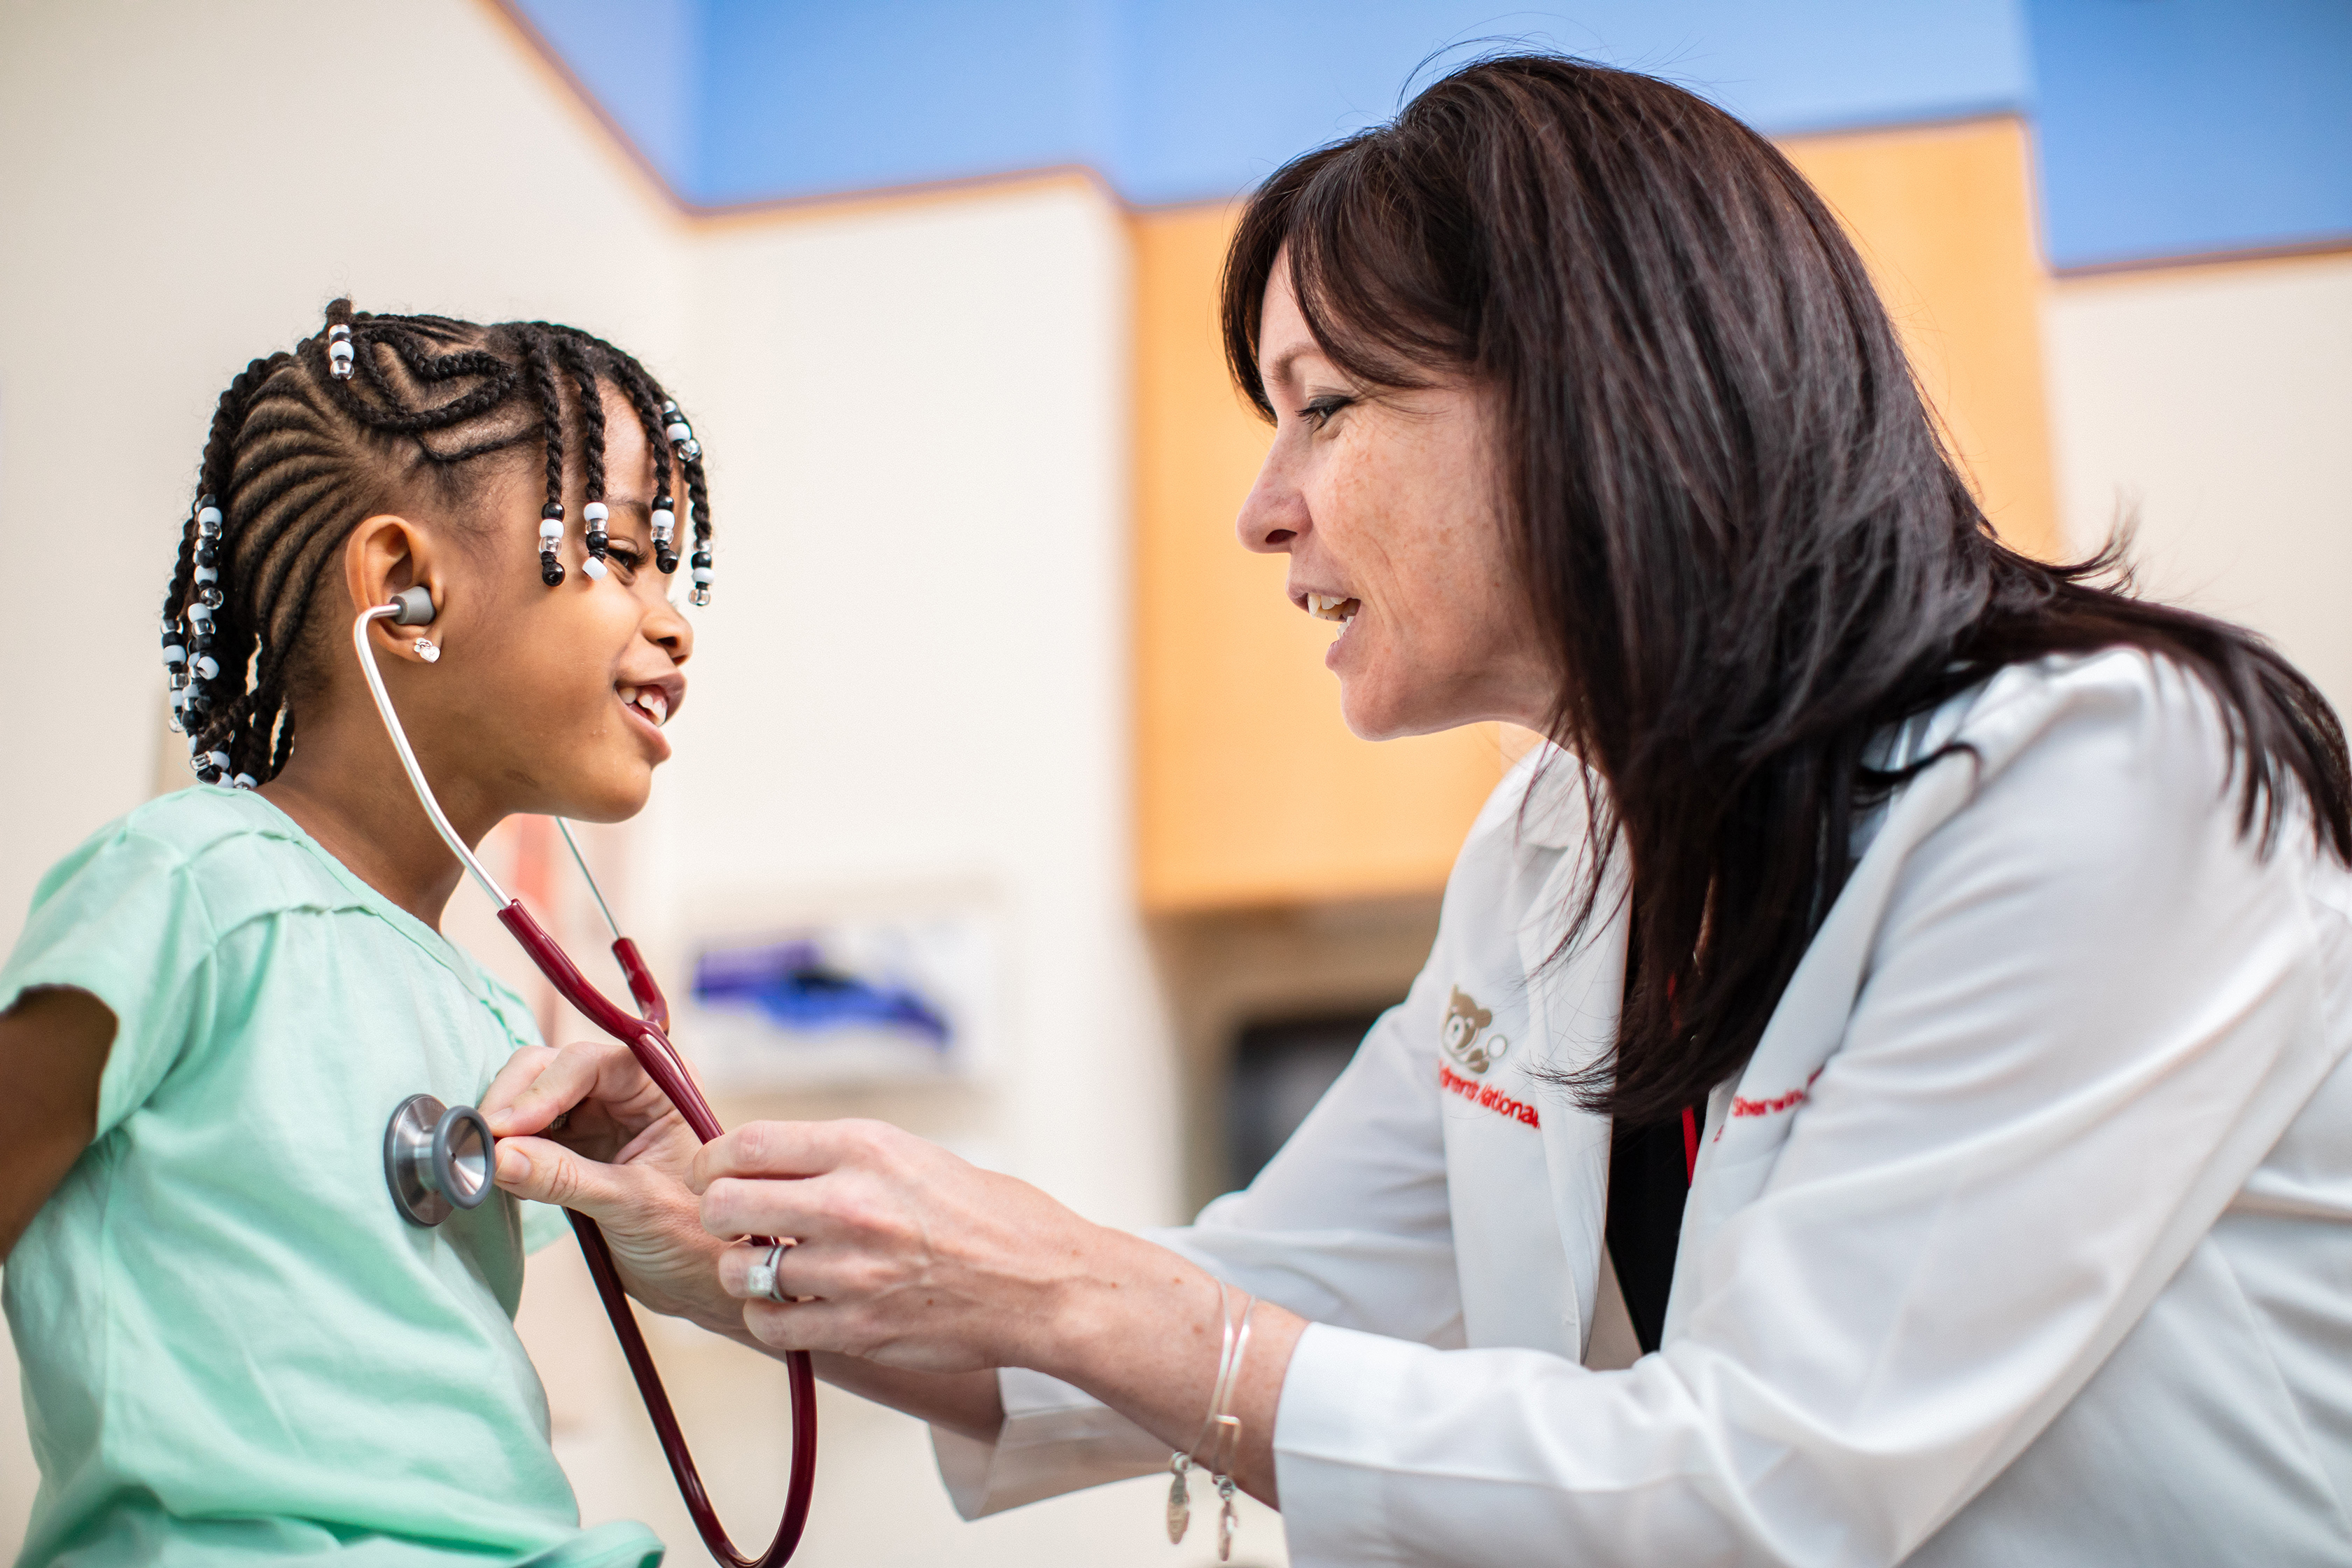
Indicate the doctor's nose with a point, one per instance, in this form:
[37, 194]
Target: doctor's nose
[1272, 516]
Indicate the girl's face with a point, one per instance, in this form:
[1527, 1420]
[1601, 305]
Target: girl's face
[552, 699]
[1388, 504]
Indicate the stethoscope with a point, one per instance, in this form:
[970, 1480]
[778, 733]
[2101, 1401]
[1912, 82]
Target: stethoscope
[438, 1158]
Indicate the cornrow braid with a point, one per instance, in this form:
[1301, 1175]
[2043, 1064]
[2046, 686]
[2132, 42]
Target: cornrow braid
[303, 444]
[697, 494]
[646, 398]
[593, 513]
[541, 360]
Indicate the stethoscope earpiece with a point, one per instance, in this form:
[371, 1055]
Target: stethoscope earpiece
[413, 606]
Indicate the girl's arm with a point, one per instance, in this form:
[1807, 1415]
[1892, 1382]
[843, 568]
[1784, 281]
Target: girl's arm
[53, 1046]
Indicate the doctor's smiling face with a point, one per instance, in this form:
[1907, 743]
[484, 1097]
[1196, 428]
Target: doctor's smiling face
[1389, 502]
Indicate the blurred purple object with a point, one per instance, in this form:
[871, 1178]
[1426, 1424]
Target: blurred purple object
[792, 984]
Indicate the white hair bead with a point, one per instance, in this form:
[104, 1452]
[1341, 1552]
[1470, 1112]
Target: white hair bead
[680, 430]
[207, 667]
[198, 613]
[665, 525]
[594, 568]
[175, 654]
[550, 527]
[209, 519]
[207, 573]
[247, 781]
[702, 574]
[593, 513]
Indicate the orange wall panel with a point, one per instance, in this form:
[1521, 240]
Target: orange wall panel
[1252, 790]
[1944, 217]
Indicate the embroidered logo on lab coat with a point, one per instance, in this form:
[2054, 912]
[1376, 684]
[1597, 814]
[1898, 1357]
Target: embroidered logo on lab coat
[1466, 1037]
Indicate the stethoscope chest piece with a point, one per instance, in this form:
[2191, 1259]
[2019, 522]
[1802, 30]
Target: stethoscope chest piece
[436, 1159]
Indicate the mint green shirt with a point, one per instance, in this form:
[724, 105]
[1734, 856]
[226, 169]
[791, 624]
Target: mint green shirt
[235, 1349]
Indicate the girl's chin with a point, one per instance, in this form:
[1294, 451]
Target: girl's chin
[616, 796]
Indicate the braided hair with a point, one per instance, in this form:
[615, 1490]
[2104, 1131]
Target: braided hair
[305, 444]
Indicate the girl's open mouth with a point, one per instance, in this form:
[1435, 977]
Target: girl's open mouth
[650, 702]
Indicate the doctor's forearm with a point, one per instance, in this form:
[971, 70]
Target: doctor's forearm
[962, 1402]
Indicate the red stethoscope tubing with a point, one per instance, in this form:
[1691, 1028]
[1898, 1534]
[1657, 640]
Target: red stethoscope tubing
[648, 1041]
[647, 1037]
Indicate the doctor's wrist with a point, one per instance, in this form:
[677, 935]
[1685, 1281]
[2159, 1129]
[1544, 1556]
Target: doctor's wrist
[1126, 1301]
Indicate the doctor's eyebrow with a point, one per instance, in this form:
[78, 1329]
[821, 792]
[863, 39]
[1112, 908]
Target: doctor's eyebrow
[1280, 370]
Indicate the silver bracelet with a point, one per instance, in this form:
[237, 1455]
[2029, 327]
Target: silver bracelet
[1229, 1520]
[1219, 1444]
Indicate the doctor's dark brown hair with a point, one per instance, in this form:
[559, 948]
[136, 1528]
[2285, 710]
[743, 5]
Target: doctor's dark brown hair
[1738, 530]
[299, 457]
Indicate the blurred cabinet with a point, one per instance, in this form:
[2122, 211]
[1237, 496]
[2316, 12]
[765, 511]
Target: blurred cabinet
[1250, 790]
[1944, 215]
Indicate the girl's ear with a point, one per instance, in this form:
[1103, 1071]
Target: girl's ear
[385, 554]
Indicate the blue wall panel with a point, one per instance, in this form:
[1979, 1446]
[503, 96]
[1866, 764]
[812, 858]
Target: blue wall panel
[639, 58]
[1178, 100]
[2166, 127]
[1219, 93]
[2180, 127]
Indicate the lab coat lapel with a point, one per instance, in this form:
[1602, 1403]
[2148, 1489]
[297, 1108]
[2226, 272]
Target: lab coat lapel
[1517, 1290]
[1749, 1119]
[1572, 1020]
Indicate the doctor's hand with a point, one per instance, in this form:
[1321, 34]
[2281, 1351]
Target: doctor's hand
[618, 1159]
[906, 1256]
[611, 1110]
[914, 1271]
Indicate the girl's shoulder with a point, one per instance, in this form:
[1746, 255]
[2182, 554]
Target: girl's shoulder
[227, 856]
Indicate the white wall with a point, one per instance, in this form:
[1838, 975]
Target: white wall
[2216, 401]
[914, 681]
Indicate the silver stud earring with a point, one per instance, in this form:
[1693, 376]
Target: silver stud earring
[426, 649]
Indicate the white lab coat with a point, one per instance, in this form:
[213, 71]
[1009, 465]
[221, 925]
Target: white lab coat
[2022, 1240]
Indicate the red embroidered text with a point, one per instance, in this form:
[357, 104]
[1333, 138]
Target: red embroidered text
[1487, 1097]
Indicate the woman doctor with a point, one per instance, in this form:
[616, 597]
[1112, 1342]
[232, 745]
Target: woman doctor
[1925, 974]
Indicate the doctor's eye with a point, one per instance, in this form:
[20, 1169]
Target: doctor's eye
[1318, 411]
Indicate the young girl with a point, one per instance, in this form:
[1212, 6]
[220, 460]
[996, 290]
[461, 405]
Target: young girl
[234, 1345]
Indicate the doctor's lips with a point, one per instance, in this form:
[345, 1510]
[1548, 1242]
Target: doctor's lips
[1331, 606]
[653, 701]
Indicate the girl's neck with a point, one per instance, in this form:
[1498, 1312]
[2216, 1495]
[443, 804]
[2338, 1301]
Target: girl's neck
[345, 787]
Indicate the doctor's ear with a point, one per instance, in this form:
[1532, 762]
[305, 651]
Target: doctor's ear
[390, 560]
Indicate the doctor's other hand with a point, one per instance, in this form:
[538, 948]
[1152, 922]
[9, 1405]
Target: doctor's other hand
[612, 1111]
[652, 1225]
[906, 1256]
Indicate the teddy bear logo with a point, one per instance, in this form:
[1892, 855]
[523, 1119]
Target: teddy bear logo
[1466, 1023]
